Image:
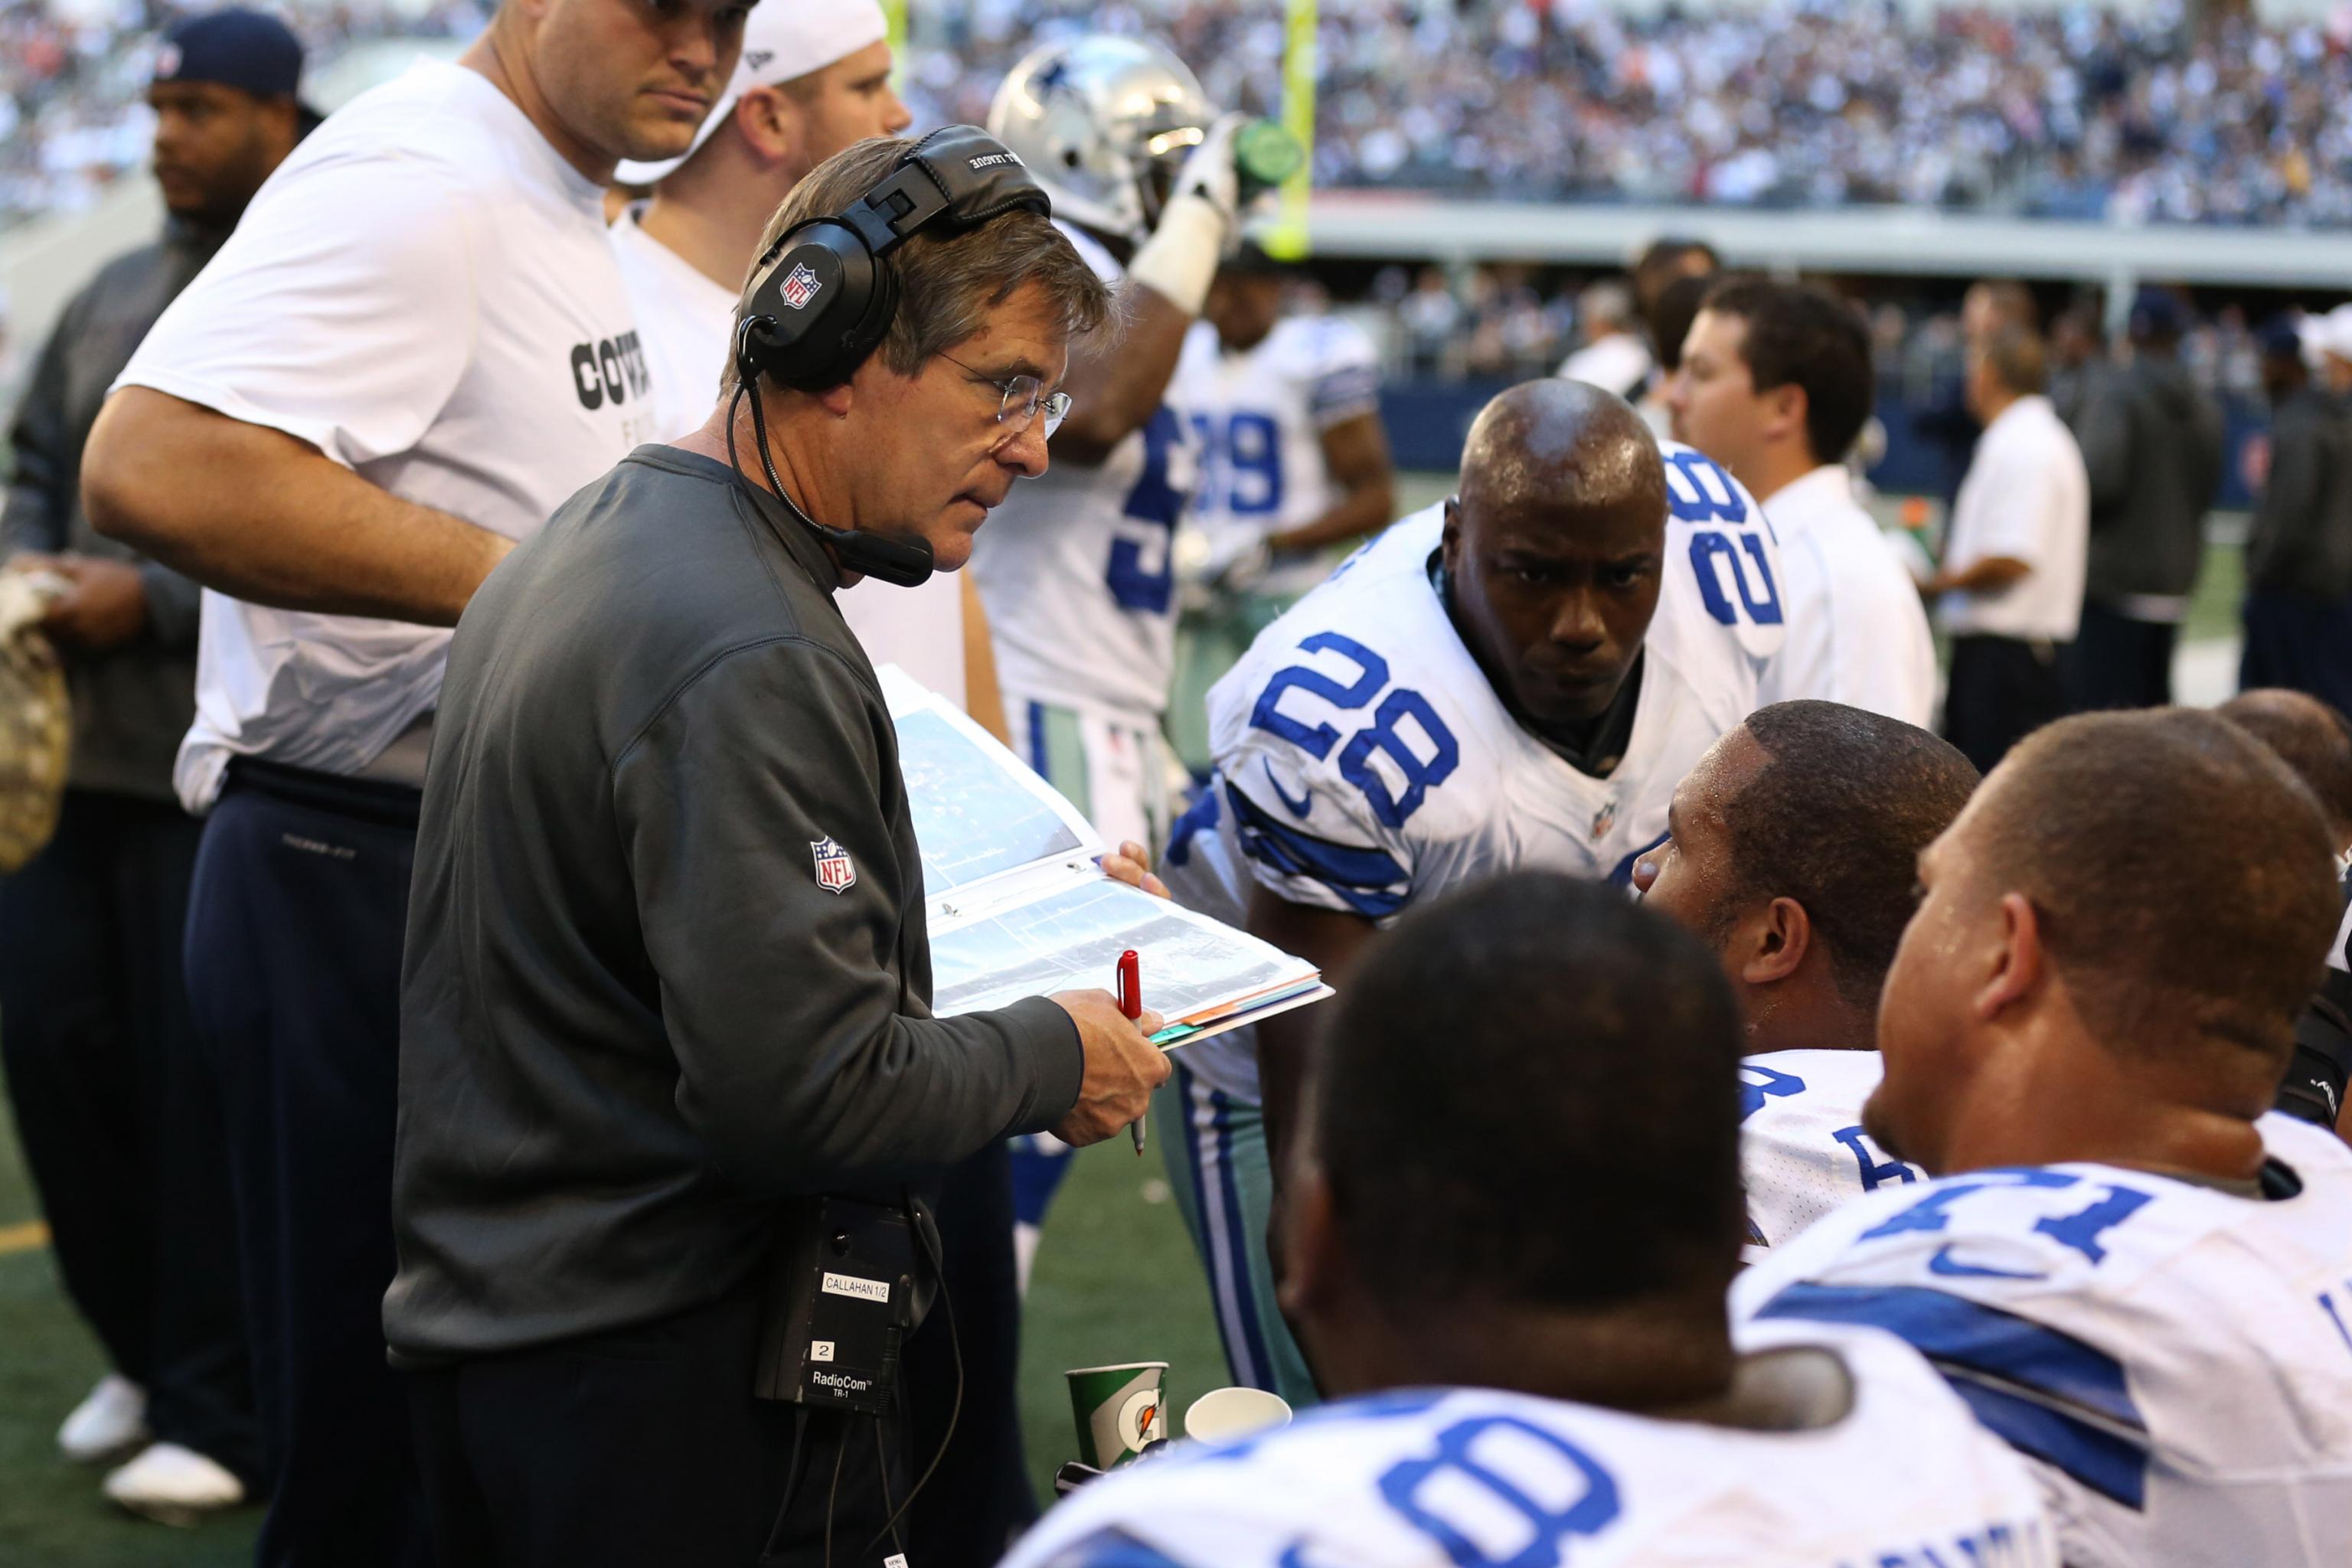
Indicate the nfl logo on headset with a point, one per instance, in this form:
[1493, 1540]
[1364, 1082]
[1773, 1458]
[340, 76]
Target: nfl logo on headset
[834, 874]
[801, 286]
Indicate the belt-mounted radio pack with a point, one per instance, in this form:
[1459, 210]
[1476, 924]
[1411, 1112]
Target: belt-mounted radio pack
[849, 1282]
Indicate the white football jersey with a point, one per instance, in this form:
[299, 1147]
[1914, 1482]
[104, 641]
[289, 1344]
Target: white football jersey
[1364, 763]
[1077, 567]
[1260, 415]
[2175, 1361]
[1438, 1477]
[1802, 1150]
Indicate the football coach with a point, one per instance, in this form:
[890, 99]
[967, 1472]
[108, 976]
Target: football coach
[668, 969]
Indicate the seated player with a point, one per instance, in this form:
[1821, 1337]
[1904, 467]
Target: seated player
[2312, 738]
[2126, 1268]
[1522, 1375]
[1517, 677]
[1791, 851]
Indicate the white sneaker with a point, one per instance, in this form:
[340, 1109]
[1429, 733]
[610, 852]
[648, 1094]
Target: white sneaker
[110, 1423]
[172, 1485]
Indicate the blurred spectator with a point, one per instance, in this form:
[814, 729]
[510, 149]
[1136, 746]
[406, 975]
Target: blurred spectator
[2011, 587]
[1670, 323]
[2075, 358]
[1613, 355]
[2151, 439]
[2298, 605]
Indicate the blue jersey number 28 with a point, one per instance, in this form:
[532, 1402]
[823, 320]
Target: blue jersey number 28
[1142, 573]
[1420, 772]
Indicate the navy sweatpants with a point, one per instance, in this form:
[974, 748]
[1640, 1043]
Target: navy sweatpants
[293, 957]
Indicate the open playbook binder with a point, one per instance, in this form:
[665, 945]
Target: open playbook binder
[1019, 906]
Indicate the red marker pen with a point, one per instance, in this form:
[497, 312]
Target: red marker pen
[1130, 1002]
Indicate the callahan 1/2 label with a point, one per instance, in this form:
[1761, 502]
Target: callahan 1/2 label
[862, 1289]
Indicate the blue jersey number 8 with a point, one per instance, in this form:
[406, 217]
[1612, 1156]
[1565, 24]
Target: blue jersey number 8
[1457, 1473]
[1420, 774]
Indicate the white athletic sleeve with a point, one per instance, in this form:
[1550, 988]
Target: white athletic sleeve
[1344, 380]
[342, 311]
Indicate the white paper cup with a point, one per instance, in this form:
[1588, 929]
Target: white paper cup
[1227, 1414]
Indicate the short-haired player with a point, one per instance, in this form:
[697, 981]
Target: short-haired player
[1791, 851]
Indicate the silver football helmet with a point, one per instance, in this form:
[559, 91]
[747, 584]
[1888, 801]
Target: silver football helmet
[1104, 122]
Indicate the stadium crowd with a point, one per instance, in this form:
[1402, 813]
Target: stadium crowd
[2073, 111]
[580, 639]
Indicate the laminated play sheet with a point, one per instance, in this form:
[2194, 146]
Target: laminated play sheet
[1018, 905]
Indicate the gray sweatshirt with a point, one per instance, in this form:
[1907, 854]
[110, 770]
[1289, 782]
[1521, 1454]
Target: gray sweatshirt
[2300, 543]
[2152, 443]
[131, 704]
[638, 1007]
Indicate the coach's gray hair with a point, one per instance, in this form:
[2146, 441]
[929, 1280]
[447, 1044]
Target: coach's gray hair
[947, 281]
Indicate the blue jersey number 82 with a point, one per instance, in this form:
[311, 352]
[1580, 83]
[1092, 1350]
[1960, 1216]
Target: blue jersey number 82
[1700, 494]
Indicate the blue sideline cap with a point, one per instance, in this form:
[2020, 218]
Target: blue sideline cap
[238, 48]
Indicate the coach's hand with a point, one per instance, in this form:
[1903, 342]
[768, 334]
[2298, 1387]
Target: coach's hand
[1122, 1067]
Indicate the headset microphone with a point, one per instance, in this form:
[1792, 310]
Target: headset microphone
[823, 298]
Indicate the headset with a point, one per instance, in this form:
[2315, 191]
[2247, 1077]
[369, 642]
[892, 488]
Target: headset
[823, 297]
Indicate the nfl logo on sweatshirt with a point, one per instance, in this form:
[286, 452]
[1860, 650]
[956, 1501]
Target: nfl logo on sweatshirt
[834, 874]
[800, 286]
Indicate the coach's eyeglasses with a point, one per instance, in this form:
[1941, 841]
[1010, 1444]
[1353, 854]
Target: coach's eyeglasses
[1025, 398]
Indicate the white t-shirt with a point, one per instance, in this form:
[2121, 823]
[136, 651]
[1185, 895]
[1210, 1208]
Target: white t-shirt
[1078, 569]
[1438, 1477]
[686, 320]
[683, 318]
[1619, 362]
[1857, 632]
[425, 292]
[2174, 1361]
[2026, 496]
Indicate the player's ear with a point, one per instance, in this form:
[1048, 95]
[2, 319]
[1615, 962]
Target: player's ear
[767, 124]
[2018, 963]
[1781, 938]
[1788, 407]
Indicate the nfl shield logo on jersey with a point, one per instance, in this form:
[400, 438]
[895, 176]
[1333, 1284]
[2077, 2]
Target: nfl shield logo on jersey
[834, 874]
[1604, 819]
[801, 286]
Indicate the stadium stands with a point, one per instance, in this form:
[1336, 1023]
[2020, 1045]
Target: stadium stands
[2124, 114]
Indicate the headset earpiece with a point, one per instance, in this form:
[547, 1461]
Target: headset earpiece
[824, 298]
[824, 289]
